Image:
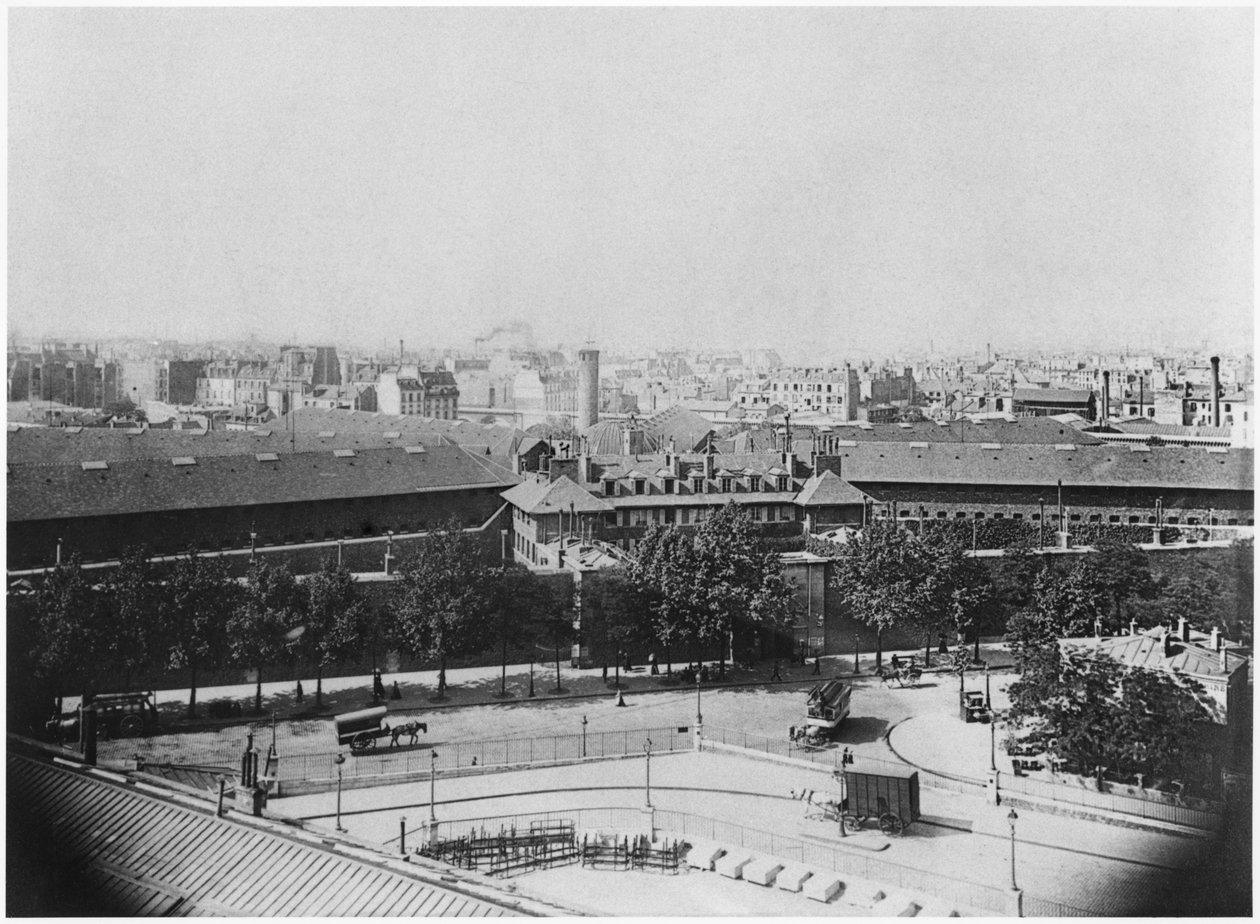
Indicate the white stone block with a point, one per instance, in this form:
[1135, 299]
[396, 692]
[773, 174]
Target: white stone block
[703, 854]
[762, 870]
[862, 894]
[732, 865]
[822, 887]
[791, 878]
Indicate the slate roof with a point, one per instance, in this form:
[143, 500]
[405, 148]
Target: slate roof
[1150, 428]
[828, 489]
[1146, 650]
[1023, 430]
[539, 498]
[1064, 396]
[152, 854]
[40, 492]
[685, 427]
[1106, 465]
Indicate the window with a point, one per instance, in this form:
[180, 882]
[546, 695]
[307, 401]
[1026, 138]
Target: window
[668, 485]
[941, 514]
[979, 515]
[1114, 518]
[638, 486]
[1035, 516]
[683, 516]
[999, 516]
[754, 483]
[1173, 520]
[697, 485]
[756, 514]
[1095, 518]
[625, 518]
[669, 514]
[960, 515]
[1133, 519]
[610, 518]
[1075, 518]
[783, 482]
[610, 487]
[726, 485]
[1017, 516]
[903, 514]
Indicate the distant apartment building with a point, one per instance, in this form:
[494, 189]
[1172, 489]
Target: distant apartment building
[216, 387]
[1046, 402]
[177, 380]
[408, 390]
[832, 391]
[252, 382]
[70, 374]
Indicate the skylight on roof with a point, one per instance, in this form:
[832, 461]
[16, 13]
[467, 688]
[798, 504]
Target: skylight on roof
[326, 433]
[266, 457]
[1065, 447]
[1218, 449]
[990, 445]
[183, 460]
[904, 425]
[94, 466]
[1139, 447]
[392, 434]
[917, 445]
[73, 429]
[414, 450]
[848, 444]
[261, 433]
[343, 453]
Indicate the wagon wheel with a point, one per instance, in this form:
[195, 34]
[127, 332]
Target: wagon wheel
[850, 822]
[131, 726]
[361, 742]
[891, 825]
[912, 678]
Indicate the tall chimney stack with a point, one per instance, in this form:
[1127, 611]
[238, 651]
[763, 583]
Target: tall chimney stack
[1216, 391]
[400, 351]
[1183, 629]
[1106, 395]
[1215, 642]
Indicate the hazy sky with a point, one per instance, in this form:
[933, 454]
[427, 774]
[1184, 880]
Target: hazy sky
[821, 177]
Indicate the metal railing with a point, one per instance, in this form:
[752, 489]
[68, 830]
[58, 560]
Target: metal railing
[1207, 817]
[828, 758]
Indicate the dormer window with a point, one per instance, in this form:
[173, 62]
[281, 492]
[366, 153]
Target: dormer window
[697, 485]
[783, 482]
[667, 485]
[639, 485]
[726, 485]
[754, 482]
[610, 487]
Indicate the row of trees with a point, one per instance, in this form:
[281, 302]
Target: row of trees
[140, 620]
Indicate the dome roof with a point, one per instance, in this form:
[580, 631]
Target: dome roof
[604, 438]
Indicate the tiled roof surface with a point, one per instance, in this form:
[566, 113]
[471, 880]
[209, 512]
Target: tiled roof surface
[1150, 428]
[1029, 430]
[685, 427]
[1108, 465]
[1051, 395]
[141, 854]
[828, 489]
[544, 497]
[38, 492]
[1146, 650]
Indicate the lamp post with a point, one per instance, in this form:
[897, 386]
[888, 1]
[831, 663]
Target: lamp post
[1011, 818]
[432, 785]
[992, 742]
[339, 760]
[988, 702]
[583, 736]
[1041, 524]
[699, 717]
[856, 641]
[531, 675]
[647, 750]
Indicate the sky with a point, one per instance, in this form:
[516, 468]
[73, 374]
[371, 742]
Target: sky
[820, 179]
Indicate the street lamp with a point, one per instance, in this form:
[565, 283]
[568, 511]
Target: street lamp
[992, 741]
[1011, 818]
[1041, 524]
[583, 736]
[531, 675]
[647, 750]
[856, 641]
[699, 717]
[988, 702]
[432, 784]
[339, 760]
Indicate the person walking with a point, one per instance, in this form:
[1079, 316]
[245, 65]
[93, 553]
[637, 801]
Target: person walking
[652, 663]
[378, 685]
[775, 676]
[817, 665]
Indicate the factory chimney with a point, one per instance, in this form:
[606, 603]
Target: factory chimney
[1106, 395]
[1216, 391]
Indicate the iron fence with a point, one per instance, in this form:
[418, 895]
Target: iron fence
[828, 757]
[1207, 817]
[501, 752]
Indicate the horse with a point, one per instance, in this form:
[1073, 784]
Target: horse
[412, 729]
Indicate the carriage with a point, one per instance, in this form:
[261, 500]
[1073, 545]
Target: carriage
[905, 672]
[826, 707]
[363, 729]
[889, 796]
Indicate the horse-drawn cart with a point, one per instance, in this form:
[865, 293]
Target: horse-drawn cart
[361, 730]
[889, 796]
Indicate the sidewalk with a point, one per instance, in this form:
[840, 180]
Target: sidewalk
[479, 686]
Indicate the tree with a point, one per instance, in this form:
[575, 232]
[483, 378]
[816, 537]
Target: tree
[553, 621]
[1066, 602]
[957, 592]
[441, 599]
[268, 608]
[1121, 573]
[336, 620]
[1094, 713]
[661, 574]
[66, 632]
[130, 635]
[517, 598]
[879, 573]
[201, 596]
[738, 581]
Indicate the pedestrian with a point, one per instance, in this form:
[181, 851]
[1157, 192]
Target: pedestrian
[896, 662]
[776, 676]
[941, 646]
[791, 733]
[627, 668]
[817, 665]
[378, 685]
[299, 697]
[652, 663]
[395, 693]
[605, 672]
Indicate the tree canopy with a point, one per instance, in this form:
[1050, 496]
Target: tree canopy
[336, 619]
[268, 608]
[200, 596]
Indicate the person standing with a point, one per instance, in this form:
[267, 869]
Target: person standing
[652, 663]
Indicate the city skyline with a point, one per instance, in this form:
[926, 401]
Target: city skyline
[876, 179]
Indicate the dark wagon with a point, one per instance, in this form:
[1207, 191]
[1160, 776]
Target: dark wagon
[363, 729]
[890, 795]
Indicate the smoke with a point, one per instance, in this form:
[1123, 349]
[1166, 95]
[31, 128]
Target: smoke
[516, 327]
